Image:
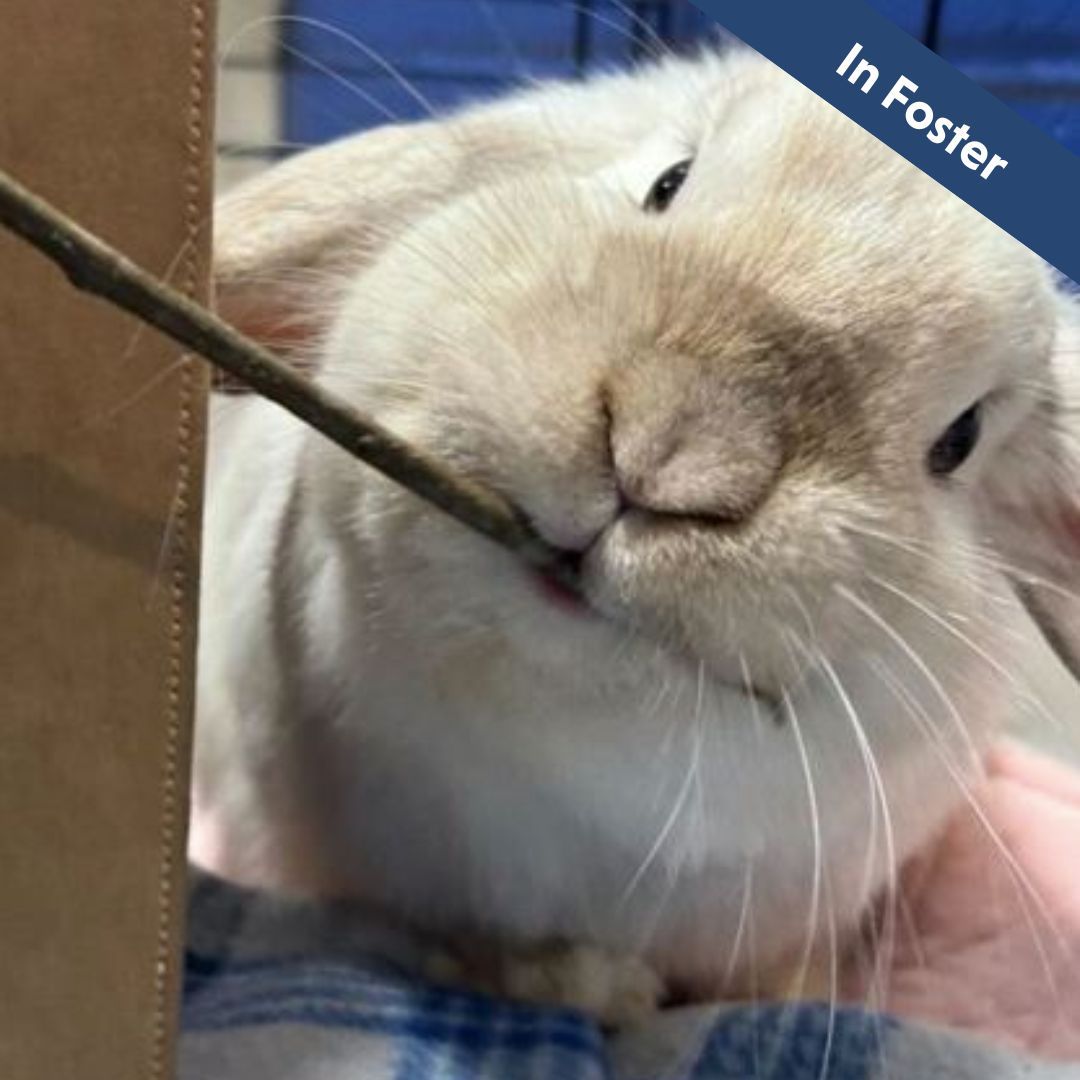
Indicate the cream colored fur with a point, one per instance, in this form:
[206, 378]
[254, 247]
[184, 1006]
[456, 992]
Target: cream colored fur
[391, 709]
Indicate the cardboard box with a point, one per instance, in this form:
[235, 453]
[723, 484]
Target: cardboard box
[105, 112]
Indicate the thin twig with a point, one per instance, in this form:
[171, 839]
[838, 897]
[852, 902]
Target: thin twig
[93, 266]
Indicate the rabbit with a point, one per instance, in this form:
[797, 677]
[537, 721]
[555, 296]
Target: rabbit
[801, 418]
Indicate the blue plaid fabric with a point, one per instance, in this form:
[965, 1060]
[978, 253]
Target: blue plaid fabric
[279, 991]
[435, 1033]
[460, 1036]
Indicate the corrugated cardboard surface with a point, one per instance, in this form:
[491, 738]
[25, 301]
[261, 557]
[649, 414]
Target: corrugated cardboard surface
[103, 109]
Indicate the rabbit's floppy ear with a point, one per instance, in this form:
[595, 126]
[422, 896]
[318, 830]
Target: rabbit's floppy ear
[283, 239]
[1032, 500]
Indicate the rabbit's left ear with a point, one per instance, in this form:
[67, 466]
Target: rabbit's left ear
[1031, 501]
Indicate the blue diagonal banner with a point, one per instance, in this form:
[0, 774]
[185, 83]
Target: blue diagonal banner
[926, 110]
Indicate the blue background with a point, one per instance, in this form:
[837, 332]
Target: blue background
[1026, 52]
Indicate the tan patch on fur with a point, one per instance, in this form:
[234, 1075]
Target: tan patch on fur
[618, 991]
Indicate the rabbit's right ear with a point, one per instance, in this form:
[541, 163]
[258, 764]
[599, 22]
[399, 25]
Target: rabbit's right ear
[286, 239]
[1031, 500]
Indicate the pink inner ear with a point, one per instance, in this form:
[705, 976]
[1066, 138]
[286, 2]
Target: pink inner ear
[283, 331]
[1055, 533]
[1068, 520]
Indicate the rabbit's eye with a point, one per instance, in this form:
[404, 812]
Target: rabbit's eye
[667, 187]
[956, 443]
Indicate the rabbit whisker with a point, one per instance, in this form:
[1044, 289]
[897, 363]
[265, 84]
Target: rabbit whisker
[1026, 891]
[1020, 685]
[679, 804]
[885, 943]
[648, 39]
[895, 636]
[813, 914]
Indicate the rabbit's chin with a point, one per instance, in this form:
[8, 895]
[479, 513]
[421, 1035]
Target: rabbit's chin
[602, 789]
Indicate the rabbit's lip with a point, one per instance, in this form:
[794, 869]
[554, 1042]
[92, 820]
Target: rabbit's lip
[557, 594]
[561, 583]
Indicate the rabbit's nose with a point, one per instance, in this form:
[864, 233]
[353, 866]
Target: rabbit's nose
[717, 464]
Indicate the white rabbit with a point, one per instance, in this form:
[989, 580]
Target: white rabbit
[776, 390]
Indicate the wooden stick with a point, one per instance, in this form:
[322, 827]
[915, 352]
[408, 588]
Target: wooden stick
[93, 266]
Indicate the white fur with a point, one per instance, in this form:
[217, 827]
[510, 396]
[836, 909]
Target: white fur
[389, 708]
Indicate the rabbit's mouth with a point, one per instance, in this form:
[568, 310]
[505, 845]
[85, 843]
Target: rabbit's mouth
[563, 587]
[561, 595]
